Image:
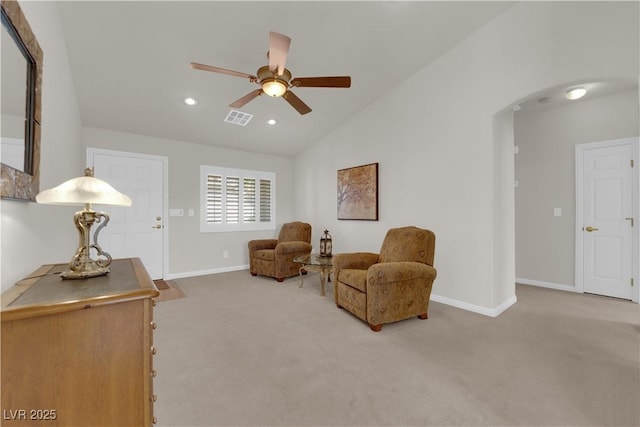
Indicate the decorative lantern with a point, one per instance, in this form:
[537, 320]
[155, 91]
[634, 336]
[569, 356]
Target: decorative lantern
[325, 244]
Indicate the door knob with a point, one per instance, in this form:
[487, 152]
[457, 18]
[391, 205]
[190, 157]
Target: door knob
[157, 226]
[590, 229]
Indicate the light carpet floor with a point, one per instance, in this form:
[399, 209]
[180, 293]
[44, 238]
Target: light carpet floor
[249, 351]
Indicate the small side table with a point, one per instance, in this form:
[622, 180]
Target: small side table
[313, 262]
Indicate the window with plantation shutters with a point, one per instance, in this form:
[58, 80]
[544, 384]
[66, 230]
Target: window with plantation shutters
[236, 200]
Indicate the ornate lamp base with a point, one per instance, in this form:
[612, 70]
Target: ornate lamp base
[81, 265]
[89, 270]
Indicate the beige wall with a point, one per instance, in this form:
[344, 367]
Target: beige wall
[446, 160]
[33, 234]
[190, 251]
[545, 171]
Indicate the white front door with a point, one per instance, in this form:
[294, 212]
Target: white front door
[608, 221]
[136, 231]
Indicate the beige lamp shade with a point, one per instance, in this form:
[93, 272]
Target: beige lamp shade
[83, 190]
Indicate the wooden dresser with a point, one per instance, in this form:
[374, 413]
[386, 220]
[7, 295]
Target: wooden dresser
[79, 352]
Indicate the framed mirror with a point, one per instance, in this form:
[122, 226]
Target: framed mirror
[21, 80]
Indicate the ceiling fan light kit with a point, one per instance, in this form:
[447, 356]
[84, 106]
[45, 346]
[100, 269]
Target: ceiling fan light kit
[275, 80]
[273, 84]
[274, 88]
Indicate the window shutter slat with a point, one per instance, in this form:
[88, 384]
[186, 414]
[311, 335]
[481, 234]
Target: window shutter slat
[214, 199]
[265, 200]
[249, 200]
[233, 200]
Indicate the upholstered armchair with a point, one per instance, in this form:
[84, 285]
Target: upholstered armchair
[274, 257]
[392, 285]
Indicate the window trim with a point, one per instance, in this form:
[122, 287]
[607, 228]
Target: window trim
[205, 227]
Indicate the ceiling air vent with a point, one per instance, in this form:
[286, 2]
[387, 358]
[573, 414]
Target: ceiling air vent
[238, 118]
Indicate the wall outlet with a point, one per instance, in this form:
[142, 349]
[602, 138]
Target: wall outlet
[557, 212]
[191, 212]
[225, 254]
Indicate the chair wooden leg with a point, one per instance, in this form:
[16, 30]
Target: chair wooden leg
[254, 274]
[423, 316]
[375, 328]
[280, 279]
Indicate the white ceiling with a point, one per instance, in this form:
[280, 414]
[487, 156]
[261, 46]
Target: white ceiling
[130, 62]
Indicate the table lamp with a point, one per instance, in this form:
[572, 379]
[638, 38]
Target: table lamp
[84, 191]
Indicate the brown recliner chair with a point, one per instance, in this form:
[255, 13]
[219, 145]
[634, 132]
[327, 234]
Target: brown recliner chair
[390, 286]
[274, 258]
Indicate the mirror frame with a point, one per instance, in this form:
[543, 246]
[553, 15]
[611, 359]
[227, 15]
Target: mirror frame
[17, 184]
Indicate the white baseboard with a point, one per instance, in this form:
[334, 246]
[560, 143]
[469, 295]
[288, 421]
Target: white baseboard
[491, 312]
[558, 286]
[172, 276]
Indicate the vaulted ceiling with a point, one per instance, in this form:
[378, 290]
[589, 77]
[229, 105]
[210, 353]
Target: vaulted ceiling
[130, 62]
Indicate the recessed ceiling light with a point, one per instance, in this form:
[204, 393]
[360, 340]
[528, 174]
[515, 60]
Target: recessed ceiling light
[190, 101]
[576, 93]
[272, 121]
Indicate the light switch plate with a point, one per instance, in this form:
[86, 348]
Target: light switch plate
[176, 212]
[557, 211]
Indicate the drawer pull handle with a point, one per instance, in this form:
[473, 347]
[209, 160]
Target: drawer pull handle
[153, 325]
[154, 373]
[153, 350]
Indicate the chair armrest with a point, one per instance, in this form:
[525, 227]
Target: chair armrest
[392, 272]
[357, 260]
[398, 290]
[255, 245]
[288, 248]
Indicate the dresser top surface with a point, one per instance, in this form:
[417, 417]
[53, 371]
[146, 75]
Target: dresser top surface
[45, 289]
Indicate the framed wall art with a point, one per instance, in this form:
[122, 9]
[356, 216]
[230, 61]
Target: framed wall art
[358, 192]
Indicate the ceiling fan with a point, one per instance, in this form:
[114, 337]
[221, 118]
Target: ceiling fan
[275, 80]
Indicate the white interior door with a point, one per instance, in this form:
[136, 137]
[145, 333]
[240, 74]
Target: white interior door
[138, 230]
[608, 220]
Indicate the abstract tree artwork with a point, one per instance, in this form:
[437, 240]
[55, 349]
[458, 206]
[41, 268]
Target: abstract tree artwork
[358, 192]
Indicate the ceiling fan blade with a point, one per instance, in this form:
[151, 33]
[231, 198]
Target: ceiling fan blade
[248, 97]
[335, 81]
[296, 102]
[204, 67]
[278, 50]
